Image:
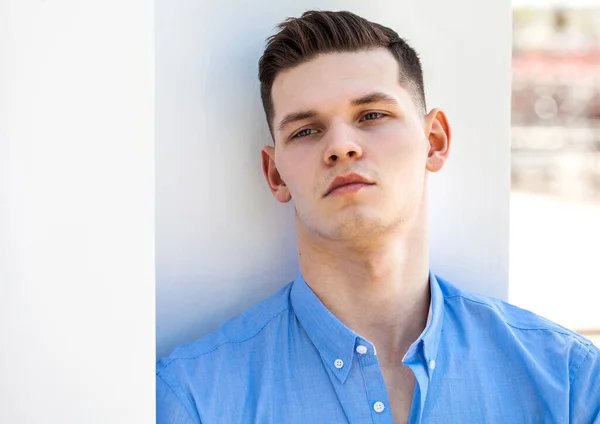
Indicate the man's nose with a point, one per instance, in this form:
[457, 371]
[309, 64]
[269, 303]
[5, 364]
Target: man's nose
[342, 144]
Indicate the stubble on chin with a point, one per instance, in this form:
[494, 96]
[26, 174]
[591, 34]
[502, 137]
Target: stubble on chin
[354, 229]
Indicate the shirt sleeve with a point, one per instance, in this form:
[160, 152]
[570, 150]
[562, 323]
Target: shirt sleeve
[584, 392]
[170, 408]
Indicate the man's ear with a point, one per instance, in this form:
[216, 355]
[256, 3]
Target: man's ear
[438, 133]
[276, 184]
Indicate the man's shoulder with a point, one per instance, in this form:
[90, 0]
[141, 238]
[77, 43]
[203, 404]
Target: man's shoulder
[244, 327]
[550, 359]
[523, 322]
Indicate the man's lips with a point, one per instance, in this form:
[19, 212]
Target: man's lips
[347, 183]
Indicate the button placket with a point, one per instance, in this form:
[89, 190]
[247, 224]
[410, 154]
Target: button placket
[376, 391]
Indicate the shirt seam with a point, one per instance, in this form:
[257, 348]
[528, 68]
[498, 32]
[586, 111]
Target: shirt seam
[513, 325]
[583, 358]
[230, 341]
[177, 396]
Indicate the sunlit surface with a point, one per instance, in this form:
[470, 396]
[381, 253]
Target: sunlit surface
[555, 147]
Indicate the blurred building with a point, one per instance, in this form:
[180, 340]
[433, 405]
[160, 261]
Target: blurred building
[556, 102]
[555, 201]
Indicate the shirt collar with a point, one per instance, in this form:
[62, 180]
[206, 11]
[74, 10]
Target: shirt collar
[429, 340]
[335, 341]
[331, 337]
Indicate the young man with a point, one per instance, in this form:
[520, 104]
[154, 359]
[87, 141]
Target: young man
[366, 333]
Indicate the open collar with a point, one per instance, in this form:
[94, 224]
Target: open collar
[336, 342]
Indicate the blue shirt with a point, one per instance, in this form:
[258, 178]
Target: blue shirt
[289, 360]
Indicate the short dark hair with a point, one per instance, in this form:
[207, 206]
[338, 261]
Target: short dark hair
[316, 32]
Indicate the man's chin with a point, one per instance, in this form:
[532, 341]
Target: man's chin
[357, 229]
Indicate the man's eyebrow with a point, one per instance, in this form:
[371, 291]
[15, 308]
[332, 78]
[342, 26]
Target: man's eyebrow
[296, 116]
[375, 97]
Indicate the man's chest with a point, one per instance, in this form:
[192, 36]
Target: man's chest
[313, 394]
[400, 386]
[306, 393]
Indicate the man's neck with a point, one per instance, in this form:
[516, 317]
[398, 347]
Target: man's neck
[381, 293]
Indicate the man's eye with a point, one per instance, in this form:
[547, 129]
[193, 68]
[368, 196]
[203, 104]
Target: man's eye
[304, 133]
[372, 115]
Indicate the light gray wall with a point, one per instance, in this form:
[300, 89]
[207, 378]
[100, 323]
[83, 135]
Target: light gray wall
[77, 340]
[222, 242]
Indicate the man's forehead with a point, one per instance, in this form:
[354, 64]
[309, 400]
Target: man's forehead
[337, 68]
[350, 72]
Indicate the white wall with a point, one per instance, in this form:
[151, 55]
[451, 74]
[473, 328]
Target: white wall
[76, 212]
[222, 242]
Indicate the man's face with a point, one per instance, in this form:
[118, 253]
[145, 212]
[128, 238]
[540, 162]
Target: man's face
[349, 114]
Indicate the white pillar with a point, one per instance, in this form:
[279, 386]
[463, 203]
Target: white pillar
[223, 242]
[76, 212]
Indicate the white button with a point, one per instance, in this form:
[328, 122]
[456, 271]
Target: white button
[338, 363]
[378, 406]
[432, 364]
[361, 349]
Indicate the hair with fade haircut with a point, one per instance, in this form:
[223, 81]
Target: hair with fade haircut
[316, 32]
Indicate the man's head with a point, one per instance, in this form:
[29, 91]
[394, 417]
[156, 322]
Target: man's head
[319, 32]
[344, 101]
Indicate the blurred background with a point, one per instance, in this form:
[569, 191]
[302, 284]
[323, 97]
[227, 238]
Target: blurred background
[555, 196]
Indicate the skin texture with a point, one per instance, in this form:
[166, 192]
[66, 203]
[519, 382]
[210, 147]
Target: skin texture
[364, 253]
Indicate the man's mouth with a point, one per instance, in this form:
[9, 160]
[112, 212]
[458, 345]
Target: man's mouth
[347, 183]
